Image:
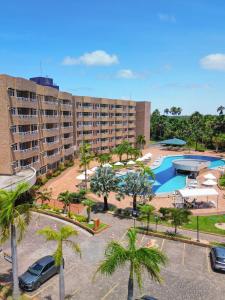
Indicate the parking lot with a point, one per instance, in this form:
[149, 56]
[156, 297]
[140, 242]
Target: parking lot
[188, 274]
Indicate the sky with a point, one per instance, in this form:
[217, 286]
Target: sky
[170, 52]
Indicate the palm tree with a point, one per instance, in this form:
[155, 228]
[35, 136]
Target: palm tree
[88, 203]
[139, 259]
[103, 182]
[141, 141]
[14, 217]
[86, 156]
[104, 158]
[66, 199]
[61, 236]
[146, 211]
[136, 185]
[178, 217]
[44, 195]
[220, 109]
[135, 153]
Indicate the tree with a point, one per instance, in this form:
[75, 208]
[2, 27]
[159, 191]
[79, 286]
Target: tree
[135, 153]
[136, 185]
[61, 236]
[141, 141]
[220, 109]
[104, 158]
[139, 259]
[218, 140]
[123, 148]
[86, 156]
[166, 111]
[66, 198]
[88, 203]
[197, 127]
[146, 211]
[14, 218]
[178, 217]
[44, 195]
[146, 170]
[103, 182]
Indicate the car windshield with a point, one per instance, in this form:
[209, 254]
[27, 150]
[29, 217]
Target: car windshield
[35, 269]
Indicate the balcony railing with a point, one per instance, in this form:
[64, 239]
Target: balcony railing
[27, 149]
[27, 132]
[26, 99]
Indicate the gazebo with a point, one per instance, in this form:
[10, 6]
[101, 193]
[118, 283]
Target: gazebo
[173, 142]
[187, 194]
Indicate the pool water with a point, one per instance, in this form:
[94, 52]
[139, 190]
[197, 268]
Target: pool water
[167, 181]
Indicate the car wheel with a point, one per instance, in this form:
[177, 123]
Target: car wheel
[38, 284]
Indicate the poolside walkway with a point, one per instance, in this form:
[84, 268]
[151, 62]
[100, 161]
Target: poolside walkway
[67, 181]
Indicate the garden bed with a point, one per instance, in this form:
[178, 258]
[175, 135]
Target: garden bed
[74, 220]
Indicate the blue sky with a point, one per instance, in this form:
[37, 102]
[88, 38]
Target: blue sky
[169, 52]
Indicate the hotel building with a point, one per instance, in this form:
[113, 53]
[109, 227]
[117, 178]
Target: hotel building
[41, 126]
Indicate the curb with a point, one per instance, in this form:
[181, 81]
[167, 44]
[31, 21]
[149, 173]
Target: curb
[93, 232]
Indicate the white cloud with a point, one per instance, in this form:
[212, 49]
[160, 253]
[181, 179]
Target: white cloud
[126, 74]
[95, 58]
[167, 18]
[213, 62]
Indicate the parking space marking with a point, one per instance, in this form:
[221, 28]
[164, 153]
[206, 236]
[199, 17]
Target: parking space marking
[109, 292]
[123, 236]
[208, 260]
[39, 292]
[183, 255]
[162, 244]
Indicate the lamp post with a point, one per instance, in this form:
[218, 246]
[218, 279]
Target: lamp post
[198, 230]
[135, 214]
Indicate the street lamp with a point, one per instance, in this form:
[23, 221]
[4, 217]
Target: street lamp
[135, 215]
[198, 230]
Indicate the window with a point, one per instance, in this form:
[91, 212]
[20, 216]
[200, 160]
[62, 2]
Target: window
[11, 92]
[14, 147]
[13, 129]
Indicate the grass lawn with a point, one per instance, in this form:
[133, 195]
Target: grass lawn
[206, 223]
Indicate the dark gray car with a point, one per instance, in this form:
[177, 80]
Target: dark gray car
[38, 273]
[218, 258]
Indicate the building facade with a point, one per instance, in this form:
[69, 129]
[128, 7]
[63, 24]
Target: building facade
[41, 126]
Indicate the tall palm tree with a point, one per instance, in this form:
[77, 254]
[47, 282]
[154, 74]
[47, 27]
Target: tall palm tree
[146, 211]
[66, 199]
[61, 236]
[220, 109]
[89, 204]
[103, 182]
[141, 141]
[178, 217]
[44, 195]
[139, 259]
[104, 158]
[86, 156]
[14, 218]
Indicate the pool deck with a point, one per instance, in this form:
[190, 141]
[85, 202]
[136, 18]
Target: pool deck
[67, 181]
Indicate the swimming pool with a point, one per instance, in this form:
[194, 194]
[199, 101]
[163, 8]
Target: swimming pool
[167, 181]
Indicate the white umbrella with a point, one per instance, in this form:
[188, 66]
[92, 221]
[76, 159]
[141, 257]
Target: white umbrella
[81, 177]
[89, 172]
[94, 169]
[148, 155]
[131, 163]
[209, 182]
[209, 176]
[107, 166]
[139, 159]
[118, 164]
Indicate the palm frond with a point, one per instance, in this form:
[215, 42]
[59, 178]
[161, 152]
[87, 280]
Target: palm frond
[74, 246]
[49, 233]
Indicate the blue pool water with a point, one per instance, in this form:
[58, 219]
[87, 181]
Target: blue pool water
[166, 179]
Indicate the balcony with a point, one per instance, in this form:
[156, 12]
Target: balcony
[66, 118]
[68, 140]
[50, 118]
[67, 129]
[49, 105]
[52, 158]
[26, 153]
[36, 165]
[23, 102]
[66, 106]
[25, 136]
[132, 118]
[25, 119]
[51, 145]
[68, 151]
[48, 132]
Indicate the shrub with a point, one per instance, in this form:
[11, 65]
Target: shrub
[165, 212]
[39, 181]
[81, 219]
[45, 206]
[68, 163]
[78, 197]
[61, 167]
[56, 173]
[49, 174]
